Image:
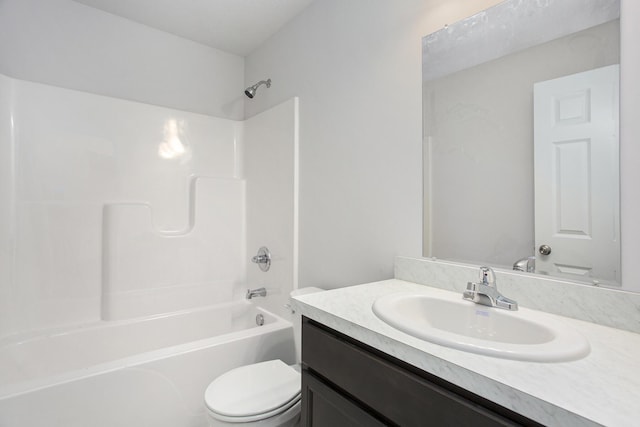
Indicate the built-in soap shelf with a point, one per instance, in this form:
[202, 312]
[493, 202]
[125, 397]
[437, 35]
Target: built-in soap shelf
[148, 271]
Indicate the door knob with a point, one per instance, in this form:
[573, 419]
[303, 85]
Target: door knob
[544, 249]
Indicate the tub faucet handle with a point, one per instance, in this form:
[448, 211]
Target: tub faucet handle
[263, 258]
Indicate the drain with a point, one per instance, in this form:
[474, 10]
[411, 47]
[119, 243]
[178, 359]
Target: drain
[259, 319]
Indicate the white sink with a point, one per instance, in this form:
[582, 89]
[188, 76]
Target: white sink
[453, 322]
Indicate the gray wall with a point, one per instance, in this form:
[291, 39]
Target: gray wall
[64, 43]
[356, 66]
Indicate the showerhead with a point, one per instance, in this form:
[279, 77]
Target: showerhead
[251, 90]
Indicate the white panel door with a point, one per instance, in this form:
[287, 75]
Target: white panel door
[577, 174]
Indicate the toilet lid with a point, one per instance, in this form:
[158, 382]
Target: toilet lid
[253, 389]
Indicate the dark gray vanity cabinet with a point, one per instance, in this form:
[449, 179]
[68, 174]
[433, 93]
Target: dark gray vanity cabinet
[347, 383]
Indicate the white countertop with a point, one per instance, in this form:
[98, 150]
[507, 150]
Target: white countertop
[601, 389]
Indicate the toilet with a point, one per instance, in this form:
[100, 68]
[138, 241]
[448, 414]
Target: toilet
[264, 394]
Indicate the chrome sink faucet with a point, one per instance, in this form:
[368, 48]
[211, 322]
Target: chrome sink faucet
[486, 292]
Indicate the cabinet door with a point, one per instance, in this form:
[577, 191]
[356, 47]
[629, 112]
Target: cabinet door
[322, 406]
[398, 394]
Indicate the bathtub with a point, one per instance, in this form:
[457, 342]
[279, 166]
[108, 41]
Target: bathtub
[141, 372]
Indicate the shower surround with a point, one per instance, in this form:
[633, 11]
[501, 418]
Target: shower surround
[118, 211]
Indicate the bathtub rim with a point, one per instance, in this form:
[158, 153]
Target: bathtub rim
[25, 337]
[35, 384]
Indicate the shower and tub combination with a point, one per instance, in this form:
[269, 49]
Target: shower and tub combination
[125, 246]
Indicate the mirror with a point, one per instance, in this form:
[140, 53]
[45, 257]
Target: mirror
[520, 139]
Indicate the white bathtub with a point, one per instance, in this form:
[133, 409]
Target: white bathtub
[144, 372]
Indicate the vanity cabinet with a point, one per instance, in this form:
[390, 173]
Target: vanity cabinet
[347, 383]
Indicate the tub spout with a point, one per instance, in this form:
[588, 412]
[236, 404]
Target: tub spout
[260, 292]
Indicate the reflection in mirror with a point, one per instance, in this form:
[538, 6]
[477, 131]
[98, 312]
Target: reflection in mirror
[521, 139]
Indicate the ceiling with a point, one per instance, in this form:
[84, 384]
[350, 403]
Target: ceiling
[235, 26]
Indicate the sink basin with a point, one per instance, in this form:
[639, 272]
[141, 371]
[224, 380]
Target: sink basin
[453, 322]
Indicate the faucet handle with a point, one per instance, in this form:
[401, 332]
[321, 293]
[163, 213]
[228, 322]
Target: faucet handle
[487, 276]
[263, 258]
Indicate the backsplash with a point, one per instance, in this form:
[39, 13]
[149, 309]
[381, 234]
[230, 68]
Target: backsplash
[604, 306]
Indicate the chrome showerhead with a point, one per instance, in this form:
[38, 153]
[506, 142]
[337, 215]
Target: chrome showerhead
[251, 90]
